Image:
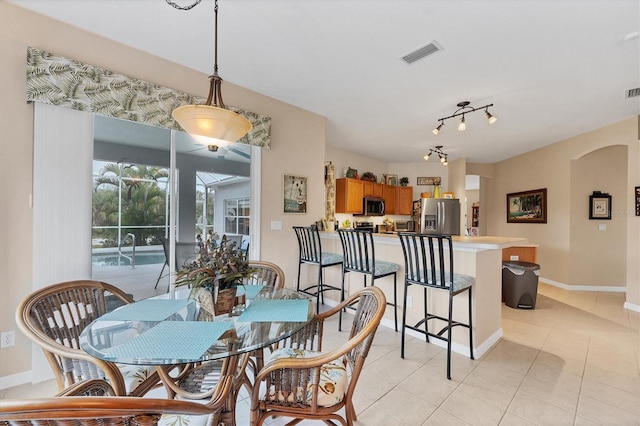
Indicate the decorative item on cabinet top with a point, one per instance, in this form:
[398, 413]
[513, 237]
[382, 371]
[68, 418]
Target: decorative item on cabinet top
[404, 181]
[391, 180]
[369, 177]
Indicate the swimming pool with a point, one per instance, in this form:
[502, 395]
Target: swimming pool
[114, 259]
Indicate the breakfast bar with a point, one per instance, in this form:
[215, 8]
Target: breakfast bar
[479, 257]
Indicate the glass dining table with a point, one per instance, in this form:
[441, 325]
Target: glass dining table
[166, 331]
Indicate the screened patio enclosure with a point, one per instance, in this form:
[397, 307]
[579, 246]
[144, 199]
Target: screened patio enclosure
[132, 203]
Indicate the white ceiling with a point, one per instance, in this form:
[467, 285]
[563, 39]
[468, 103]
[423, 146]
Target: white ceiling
[552, 68]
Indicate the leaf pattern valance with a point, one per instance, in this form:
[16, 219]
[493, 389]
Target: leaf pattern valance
[69, 83]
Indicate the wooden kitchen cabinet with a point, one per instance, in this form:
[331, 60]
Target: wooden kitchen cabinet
[349, 194]
[405, 200]
[372, 189]
[390, 195]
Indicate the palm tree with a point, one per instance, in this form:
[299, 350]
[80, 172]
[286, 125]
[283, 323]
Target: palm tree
[142, 200]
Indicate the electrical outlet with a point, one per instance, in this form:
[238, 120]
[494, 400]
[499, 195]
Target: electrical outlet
[514, 257]
[7, 339]
[409, 302]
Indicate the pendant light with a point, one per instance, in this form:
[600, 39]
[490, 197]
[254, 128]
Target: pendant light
[211, 120]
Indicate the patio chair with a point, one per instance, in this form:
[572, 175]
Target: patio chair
[184, 252]
[308, 384]
[53, 318]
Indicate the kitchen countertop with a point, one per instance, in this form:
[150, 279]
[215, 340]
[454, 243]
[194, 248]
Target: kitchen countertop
[459, 242]
[477, 256]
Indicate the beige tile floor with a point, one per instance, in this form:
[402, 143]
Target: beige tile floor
[574, 360]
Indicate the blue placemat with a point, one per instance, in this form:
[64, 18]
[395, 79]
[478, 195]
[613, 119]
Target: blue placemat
[178, 340]
[146, 310]
[267, 310]
[250, 290]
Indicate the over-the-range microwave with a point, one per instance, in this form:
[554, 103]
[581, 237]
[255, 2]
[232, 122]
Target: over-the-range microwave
[372, 206]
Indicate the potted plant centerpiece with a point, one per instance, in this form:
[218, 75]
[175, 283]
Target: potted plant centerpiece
[216, 273]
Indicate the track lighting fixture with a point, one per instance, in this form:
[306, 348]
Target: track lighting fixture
[441, 155]
[465, 108]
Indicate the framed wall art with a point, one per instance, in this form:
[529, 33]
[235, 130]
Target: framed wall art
[527, 206]
[599, 206]
[294, 194]
[637, 194]
[391, 180]
[434, 180]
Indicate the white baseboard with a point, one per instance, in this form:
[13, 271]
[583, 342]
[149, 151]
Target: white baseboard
[632, 307]
[15, 380]
[478, 351]
[616, 289]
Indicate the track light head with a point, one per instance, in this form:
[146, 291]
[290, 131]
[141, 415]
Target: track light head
[437, 129]
[445, 162]
[426, 157]
[462, 126]
[490, 117]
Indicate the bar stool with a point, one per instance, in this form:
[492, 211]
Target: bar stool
[311, 253]
[359, 255]
[425, 260]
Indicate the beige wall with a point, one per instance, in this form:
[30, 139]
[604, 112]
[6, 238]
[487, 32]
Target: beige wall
[601, 170]
[422, 168]
[298, 147]
[562, 169]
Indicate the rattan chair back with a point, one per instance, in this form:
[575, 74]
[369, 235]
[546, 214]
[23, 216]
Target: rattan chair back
[291, 384]
[54, 317]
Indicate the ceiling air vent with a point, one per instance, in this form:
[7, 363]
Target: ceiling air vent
[423, 52]
[632, 93]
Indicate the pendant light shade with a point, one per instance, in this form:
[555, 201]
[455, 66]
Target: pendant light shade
[211, 120]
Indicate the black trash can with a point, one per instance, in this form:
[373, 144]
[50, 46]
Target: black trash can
[520, 284]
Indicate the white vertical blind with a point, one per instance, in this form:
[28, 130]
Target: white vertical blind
[62, 177]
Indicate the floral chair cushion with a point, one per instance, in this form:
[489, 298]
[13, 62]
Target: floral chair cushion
[333, 377]
[135, 374]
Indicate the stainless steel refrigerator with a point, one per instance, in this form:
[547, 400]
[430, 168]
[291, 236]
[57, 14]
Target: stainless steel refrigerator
[437, 216]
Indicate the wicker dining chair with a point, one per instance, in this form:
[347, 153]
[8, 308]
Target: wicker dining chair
[266, 273]
[301, 382]
[81, 407]
[217, 382]
[53, 318]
